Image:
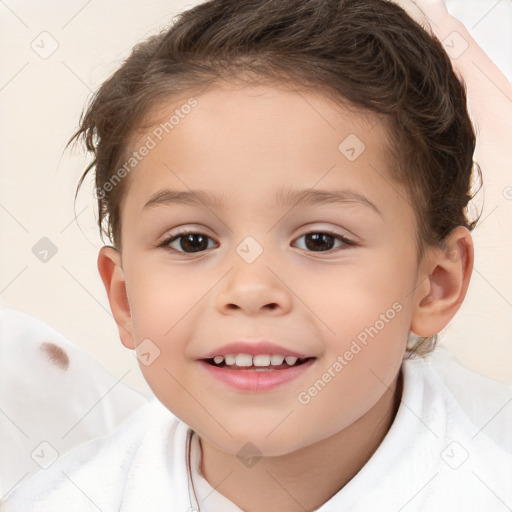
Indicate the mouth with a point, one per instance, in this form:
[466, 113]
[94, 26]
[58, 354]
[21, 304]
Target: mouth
[255, 373]
[257, 363]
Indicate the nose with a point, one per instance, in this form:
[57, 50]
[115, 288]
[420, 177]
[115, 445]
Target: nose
[254, 288]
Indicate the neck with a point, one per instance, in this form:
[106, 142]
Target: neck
[307, 478]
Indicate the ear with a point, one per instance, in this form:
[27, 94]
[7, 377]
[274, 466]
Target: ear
[443, 281]
[111, 272]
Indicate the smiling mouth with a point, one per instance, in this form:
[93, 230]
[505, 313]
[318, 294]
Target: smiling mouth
[256, 363]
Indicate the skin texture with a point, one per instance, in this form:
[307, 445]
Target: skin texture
[244, 143]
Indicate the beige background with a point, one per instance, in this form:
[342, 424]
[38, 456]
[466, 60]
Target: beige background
[41, 98]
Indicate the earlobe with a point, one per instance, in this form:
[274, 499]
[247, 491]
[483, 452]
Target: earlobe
[112, 275]
[444, 283]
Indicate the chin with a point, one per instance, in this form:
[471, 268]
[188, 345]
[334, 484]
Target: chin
[256, 441]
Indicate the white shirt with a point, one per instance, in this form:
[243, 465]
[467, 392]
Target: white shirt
[434, 458]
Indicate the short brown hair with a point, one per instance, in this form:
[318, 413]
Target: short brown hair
[368, 53]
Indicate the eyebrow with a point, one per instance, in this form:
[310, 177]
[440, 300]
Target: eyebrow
[283, 197]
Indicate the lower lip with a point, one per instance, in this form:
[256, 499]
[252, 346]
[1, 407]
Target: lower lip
[253, 380]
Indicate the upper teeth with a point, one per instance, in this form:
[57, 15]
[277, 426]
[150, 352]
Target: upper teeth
[258, 360]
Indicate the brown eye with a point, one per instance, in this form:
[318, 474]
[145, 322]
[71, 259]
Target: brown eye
[321, 241]
[187, 242]
[190, 242]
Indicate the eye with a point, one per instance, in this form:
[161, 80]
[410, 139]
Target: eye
[324, 240]
[188, 242]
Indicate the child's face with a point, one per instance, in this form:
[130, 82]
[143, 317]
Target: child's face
[256, 276]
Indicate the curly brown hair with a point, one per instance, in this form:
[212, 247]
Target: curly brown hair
[369, 54]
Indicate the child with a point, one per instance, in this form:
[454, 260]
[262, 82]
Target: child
[285, 185]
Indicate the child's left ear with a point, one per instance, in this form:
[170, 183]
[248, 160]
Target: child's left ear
[442, 283]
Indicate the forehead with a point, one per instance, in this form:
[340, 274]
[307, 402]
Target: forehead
[262, 105]
[259, 138]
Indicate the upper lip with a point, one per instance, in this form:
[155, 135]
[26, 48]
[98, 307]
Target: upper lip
[253, 348]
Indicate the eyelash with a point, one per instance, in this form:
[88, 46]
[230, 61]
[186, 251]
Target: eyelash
[175, 236]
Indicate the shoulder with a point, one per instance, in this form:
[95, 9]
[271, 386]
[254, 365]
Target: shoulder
[486, 402]
[471, 470]
[483, 401]
[92, 476]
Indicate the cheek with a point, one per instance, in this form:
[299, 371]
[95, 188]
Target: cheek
[347, 301]
[365, 320]
[160, 299]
